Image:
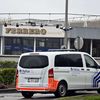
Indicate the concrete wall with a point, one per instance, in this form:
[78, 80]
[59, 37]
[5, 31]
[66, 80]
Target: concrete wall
[9, 57]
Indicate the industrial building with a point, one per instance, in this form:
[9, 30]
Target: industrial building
[17, 39]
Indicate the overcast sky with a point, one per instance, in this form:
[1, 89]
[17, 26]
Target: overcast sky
[50, 6]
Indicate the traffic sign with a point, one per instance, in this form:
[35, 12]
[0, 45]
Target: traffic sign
[78, 43]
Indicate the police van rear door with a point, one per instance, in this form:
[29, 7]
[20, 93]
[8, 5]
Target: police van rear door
[32, 71]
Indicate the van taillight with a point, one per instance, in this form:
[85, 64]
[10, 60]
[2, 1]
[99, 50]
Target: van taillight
[16, 78]
[16, 73]
[51, 73]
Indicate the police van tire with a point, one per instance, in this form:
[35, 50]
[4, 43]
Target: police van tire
[27, 94]
[98, 91]
[61, 90]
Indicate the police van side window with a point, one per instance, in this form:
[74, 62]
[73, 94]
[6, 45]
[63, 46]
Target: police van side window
[68, 60]
[90, 63]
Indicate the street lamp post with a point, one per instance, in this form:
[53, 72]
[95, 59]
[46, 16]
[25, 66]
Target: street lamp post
[66, 25]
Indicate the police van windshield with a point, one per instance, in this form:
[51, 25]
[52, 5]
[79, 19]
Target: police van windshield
[33, 61]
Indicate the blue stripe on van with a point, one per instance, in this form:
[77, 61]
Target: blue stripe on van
[96, 79]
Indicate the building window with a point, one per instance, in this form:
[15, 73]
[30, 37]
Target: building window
[53, 43]
[86, 46]
[43, 44]
[16, 46]
[40, 44]
[8, 46]
[28, 44]
[96, 48]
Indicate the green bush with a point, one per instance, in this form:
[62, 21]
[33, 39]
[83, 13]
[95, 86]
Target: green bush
[1, 79]
[7, 72]
[7, 75]
[7, 64]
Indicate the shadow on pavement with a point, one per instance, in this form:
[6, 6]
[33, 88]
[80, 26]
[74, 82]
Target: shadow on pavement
[77, 93]
[41, 97]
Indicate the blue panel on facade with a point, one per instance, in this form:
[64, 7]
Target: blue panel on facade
[42, 49]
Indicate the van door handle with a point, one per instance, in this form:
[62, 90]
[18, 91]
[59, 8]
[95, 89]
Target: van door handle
[82, 69]
[88, 69]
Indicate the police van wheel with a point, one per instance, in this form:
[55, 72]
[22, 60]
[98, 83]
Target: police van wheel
[61, 90]
[27, 94]
[98, 91]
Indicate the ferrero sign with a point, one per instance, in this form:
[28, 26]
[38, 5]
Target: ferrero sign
[31, 31]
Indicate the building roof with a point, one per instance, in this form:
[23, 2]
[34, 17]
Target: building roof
[89, 22]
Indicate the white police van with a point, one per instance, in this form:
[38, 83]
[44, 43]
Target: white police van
[56, 72]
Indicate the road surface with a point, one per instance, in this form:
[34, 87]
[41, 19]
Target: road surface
[18, 96]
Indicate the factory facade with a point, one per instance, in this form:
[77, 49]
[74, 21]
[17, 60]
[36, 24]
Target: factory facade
[15, 40]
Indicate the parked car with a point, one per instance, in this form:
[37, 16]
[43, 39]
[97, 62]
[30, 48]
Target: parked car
[56, 72]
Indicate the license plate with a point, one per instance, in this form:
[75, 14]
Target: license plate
[34, 80]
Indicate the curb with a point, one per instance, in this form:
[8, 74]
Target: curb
[11, 90]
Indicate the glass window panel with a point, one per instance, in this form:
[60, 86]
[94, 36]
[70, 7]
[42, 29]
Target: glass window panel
[68, 60]
[90, 62]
